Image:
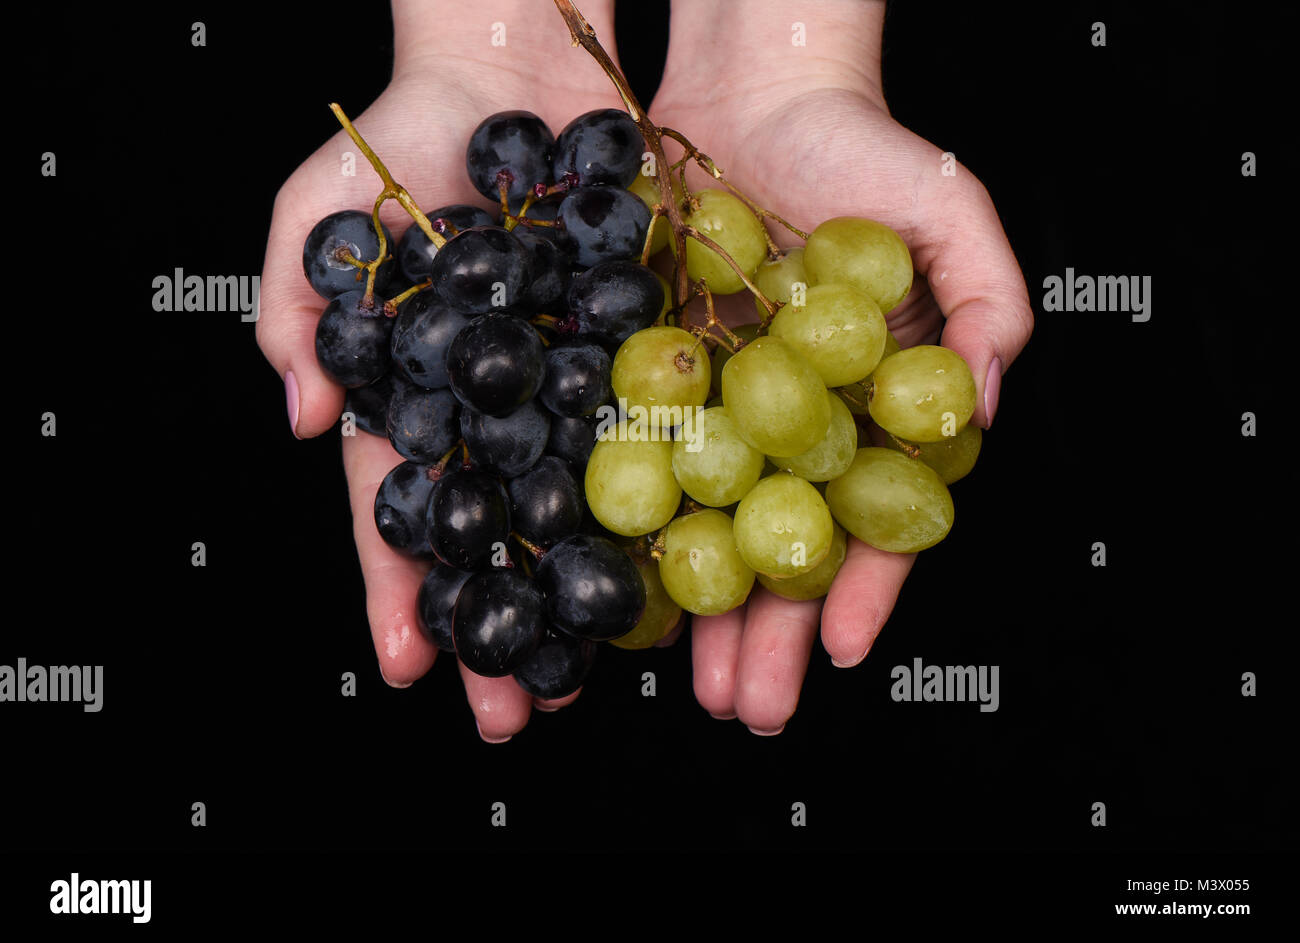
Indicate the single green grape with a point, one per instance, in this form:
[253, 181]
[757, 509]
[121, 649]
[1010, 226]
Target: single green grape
[856, 396]
[660, 614]
[775, 278]
[726, 220]
[816, 583]
[891, 502]
[712, 461]
[701, 569]
[663, 370]
[953, 458]
[647, 188]
[629, 482]
[832, 456]
[783, 527]
[838, 329]
[922, 394]
[863, 253]
[718, 359]
[775, 397]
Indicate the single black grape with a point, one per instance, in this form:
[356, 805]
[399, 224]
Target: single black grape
[481, 270]
[593, 590]
[602, 146]
[436, 600]
[509, 445]
[605, 222]
[613, 300]
[402, 507]
[577, 379]
[498, 621]
[352, 230]
[517, 142]
[469, 515]
[572, 439]
[546, 502]
[558, 667]
[369, 405]
[415, 252]
[551, 252]
[352, 340]
[422, 424]
[422, 332]
[496, 364]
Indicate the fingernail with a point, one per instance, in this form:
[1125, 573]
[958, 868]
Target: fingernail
[852, 664]
[291, 400]
[723, 716]
[766, 733]
[545, 710]
[394, 684]
[992, 386]
[489, 739]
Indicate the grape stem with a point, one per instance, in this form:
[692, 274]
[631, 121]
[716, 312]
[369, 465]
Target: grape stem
[392, 191]
[528, 545]
[390, 306]
[907, 448]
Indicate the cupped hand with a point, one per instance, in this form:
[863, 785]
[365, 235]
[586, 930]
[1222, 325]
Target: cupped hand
[810, 138]
[419, 127]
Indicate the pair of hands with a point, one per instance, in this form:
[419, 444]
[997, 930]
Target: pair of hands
[803, 130]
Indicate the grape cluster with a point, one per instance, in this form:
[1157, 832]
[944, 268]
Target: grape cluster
[484, 355]
[761, 483]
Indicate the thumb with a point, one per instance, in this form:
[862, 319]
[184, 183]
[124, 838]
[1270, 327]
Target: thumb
[977, 283]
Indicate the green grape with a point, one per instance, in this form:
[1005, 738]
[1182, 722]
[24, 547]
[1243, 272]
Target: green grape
[660, 614]
[776, 398]
[629, 482]
[783, 527]
[701, 568]
[856, 396]
[668, 297]
[816, 582]
[718, 359]
[838, 329]
[647, 188]
[891, 502]
[832, 456]
[663, 370]
[733, 226]
[775, 277]
[863, 253]
[953, 458]
[922, 394]
[712, 461]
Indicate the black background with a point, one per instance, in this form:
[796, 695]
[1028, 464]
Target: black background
[1118, 684]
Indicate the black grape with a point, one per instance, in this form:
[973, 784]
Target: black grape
[602, 146]
[613, 300]
[577, 379]
[593, 590]
[328, 275]
[517, 142]
[605, 222]
[436, 600]
[415, 252]
[422, 424]
[481, 270]
[402, 507]
[422, 332]
[352, 340]
[509, 445]
[546, 502]
[498, 621]
[469, 514]
[496, 364]
[558, 667]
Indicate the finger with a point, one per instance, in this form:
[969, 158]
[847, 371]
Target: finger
[861, 599]
[715, 654]
[774, 656]
[500, 706]
[392, 579]
[966, 258]
[546, 706]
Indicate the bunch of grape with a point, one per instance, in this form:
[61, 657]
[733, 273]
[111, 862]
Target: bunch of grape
[772, 469]
[483, 352]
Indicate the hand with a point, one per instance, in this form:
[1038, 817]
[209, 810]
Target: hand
[805, 132]
[447, 77]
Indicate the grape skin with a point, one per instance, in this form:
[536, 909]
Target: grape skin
[816, 583]
[780, 514]
[723, 467]
[838, 329]
[863, 253]
[776, 278]
[857, 395]
[832, 456]
[701, 569]
[733, 226]
[915, 389]
[776, 398]
[891, 502]
[630, 485]
[953, 458]
[664, 370]
[660, 614]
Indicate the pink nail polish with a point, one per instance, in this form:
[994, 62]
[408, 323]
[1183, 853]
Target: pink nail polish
[766, 733]
[291, 400]
[992, 387]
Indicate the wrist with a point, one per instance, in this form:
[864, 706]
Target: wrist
[514, 33]
[827, 44]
